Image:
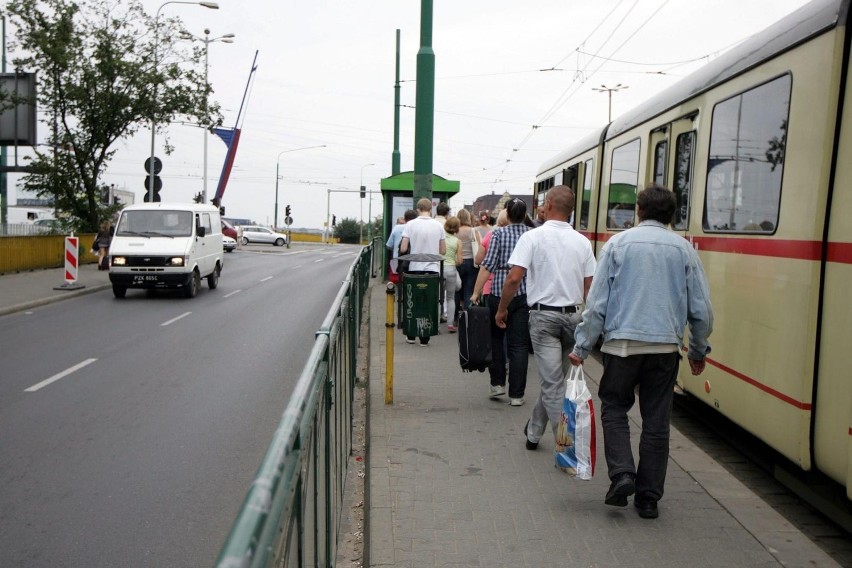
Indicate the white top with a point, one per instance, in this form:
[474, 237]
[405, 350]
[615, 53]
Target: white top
[557, 259]
[424, 237]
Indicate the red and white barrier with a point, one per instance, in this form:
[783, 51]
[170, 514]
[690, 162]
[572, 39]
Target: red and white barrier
[71, 258]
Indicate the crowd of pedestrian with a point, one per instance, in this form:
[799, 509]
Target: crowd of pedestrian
[549, 295]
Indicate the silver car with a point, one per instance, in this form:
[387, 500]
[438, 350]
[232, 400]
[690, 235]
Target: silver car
[263, 235]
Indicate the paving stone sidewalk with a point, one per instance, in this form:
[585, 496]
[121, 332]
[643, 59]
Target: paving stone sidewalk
[451, 483]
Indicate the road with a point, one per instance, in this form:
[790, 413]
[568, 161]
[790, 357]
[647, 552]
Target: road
[130, 430]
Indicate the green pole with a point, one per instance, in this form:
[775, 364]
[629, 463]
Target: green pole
[395, 155]
[424, 117]
[4, 205]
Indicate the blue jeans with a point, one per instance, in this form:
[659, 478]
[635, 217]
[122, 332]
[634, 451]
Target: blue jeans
[468, 275]
[517, 336]
[655, 375]
[552, 337]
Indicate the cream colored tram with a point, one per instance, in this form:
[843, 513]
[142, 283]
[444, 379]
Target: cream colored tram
[756, 146]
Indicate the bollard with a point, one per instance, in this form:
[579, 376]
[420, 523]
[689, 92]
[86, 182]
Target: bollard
[389, 325]
[71, 263]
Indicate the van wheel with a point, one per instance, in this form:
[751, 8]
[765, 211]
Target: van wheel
[191, 289]
[213, 277]
[245, 240]
[279, 242]
[119, 291]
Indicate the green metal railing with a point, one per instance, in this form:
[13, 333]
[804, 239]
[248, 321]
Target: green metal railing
[291, 514]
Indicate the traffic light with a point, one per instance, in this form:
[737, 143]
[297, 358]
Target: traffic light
[333, 220]
[363, 191]
[287, 211]
[158, 183]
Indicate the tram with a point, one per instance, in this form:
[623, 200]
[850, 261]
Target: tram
[757, 147]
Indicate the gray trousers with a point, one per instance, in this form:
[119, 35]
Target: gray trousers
[552, 337]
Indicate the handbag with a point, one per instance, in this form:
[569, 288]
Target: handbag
[575, 436]
[474, 245]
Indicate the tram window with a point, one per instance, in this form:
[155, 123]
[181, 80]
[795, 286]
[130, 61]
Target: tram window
[746, 160]
[660, 151]
[683, 178]
[623, 179]
[587, 194]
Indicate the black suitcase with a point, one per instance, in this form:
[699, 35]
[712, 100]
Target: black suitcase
[475, 338]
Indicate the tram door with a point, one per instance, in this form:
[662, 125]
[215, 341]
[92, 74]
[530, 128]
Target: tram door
[671, 156]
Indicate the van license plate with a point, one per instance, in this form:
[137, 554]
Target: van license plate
[138, 279]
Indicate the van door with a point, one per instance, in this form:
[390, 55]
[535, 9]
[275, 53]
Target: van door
[205, 250]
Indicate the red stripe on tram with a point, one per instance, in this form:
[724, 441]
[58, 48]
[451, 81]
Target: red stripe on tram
[767, 389]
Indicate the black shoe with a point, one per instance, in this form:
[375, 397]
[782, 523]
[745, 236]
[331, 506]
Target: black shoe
[530, 445]
[647, 508]
[620, 489]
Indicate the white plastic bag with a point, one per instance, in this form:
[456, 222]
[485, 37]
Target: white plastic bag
[575, 437]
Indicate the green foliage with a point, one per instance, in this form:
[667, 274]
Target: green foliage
[104, 71]
[348, 230]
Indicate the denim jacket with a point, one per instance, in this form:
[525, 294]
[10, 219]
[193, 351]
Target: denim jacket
[648, 285]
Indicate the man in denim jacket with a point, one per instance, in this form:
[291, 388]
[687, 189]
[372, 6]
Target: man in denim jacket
[648, 285]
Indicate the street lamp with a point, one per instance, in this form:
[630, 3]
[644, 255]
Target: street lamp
[277, 163]
[609, 90]
[207, 40]
[361, 188]
[212, 6]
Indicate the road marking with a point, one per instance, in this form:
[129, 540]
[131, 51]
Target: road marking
[319, 260]
[58, 376]
[265, 279]
[232, 293]
[173, 320]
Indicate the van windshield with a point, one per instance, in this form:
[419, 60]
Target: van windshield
[158, 223]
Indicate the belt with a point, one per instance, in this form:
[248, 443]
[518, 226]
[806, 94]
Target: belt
[563, 309]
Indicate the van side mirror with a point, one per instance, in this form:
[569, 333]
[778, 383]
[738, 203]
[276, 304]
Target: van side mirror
[201, 231]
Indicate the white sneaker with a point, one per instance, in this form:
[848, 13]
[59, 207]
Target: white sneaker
[497, 390]
[516, 402]
[409, 340]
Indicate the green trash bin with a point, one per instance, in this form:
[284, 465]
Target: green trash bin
[419, 300]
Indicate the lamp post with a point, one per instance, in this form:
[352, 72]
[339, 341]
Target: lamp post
[609, 91]
[277, 164]
[207, 40]
[361, 188]
[212, 6]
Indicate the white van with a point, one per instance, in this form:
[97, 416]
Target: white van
[166, 245]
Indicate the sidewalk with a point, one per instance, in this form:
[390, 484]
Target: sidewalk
[451, 483]
[32, 288]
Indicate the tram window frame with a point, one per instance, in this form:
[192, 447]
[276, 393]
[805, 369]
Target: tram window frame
[683, 176]
[586, 196]
[635, 147]
[739, 120]
[661, 150]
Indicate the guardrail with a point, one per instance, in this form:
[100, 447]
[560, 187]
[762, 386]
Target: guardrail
[291, 514]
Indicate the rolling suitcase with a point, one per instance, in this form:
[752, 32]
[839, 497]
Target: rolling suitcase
[475, 338]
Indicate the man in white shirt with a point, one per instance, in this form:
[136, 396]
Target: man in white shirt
[559, 264]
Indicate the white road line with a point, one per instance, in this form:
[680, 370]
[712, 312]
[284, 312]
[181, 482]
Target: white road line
[319, 260]
[58, 376]
[265, 279]
[232, 293]
[173, 320]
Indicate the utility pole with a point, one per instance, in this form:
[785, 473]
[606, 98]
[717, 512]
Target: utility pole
[609, 91]
[424, 114]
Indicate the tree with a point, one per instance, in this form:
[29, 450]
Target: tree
[98, 84]
[348, 231]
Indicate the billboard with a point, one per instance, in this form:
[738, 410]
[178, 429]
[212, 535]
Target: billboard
[17, 109]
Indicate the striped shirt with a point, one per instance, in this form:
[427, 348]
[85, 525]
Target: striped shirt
[497, 255]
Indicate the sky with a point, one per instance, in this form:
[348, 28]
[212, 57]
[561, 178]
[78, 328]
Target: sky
[514, 86]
